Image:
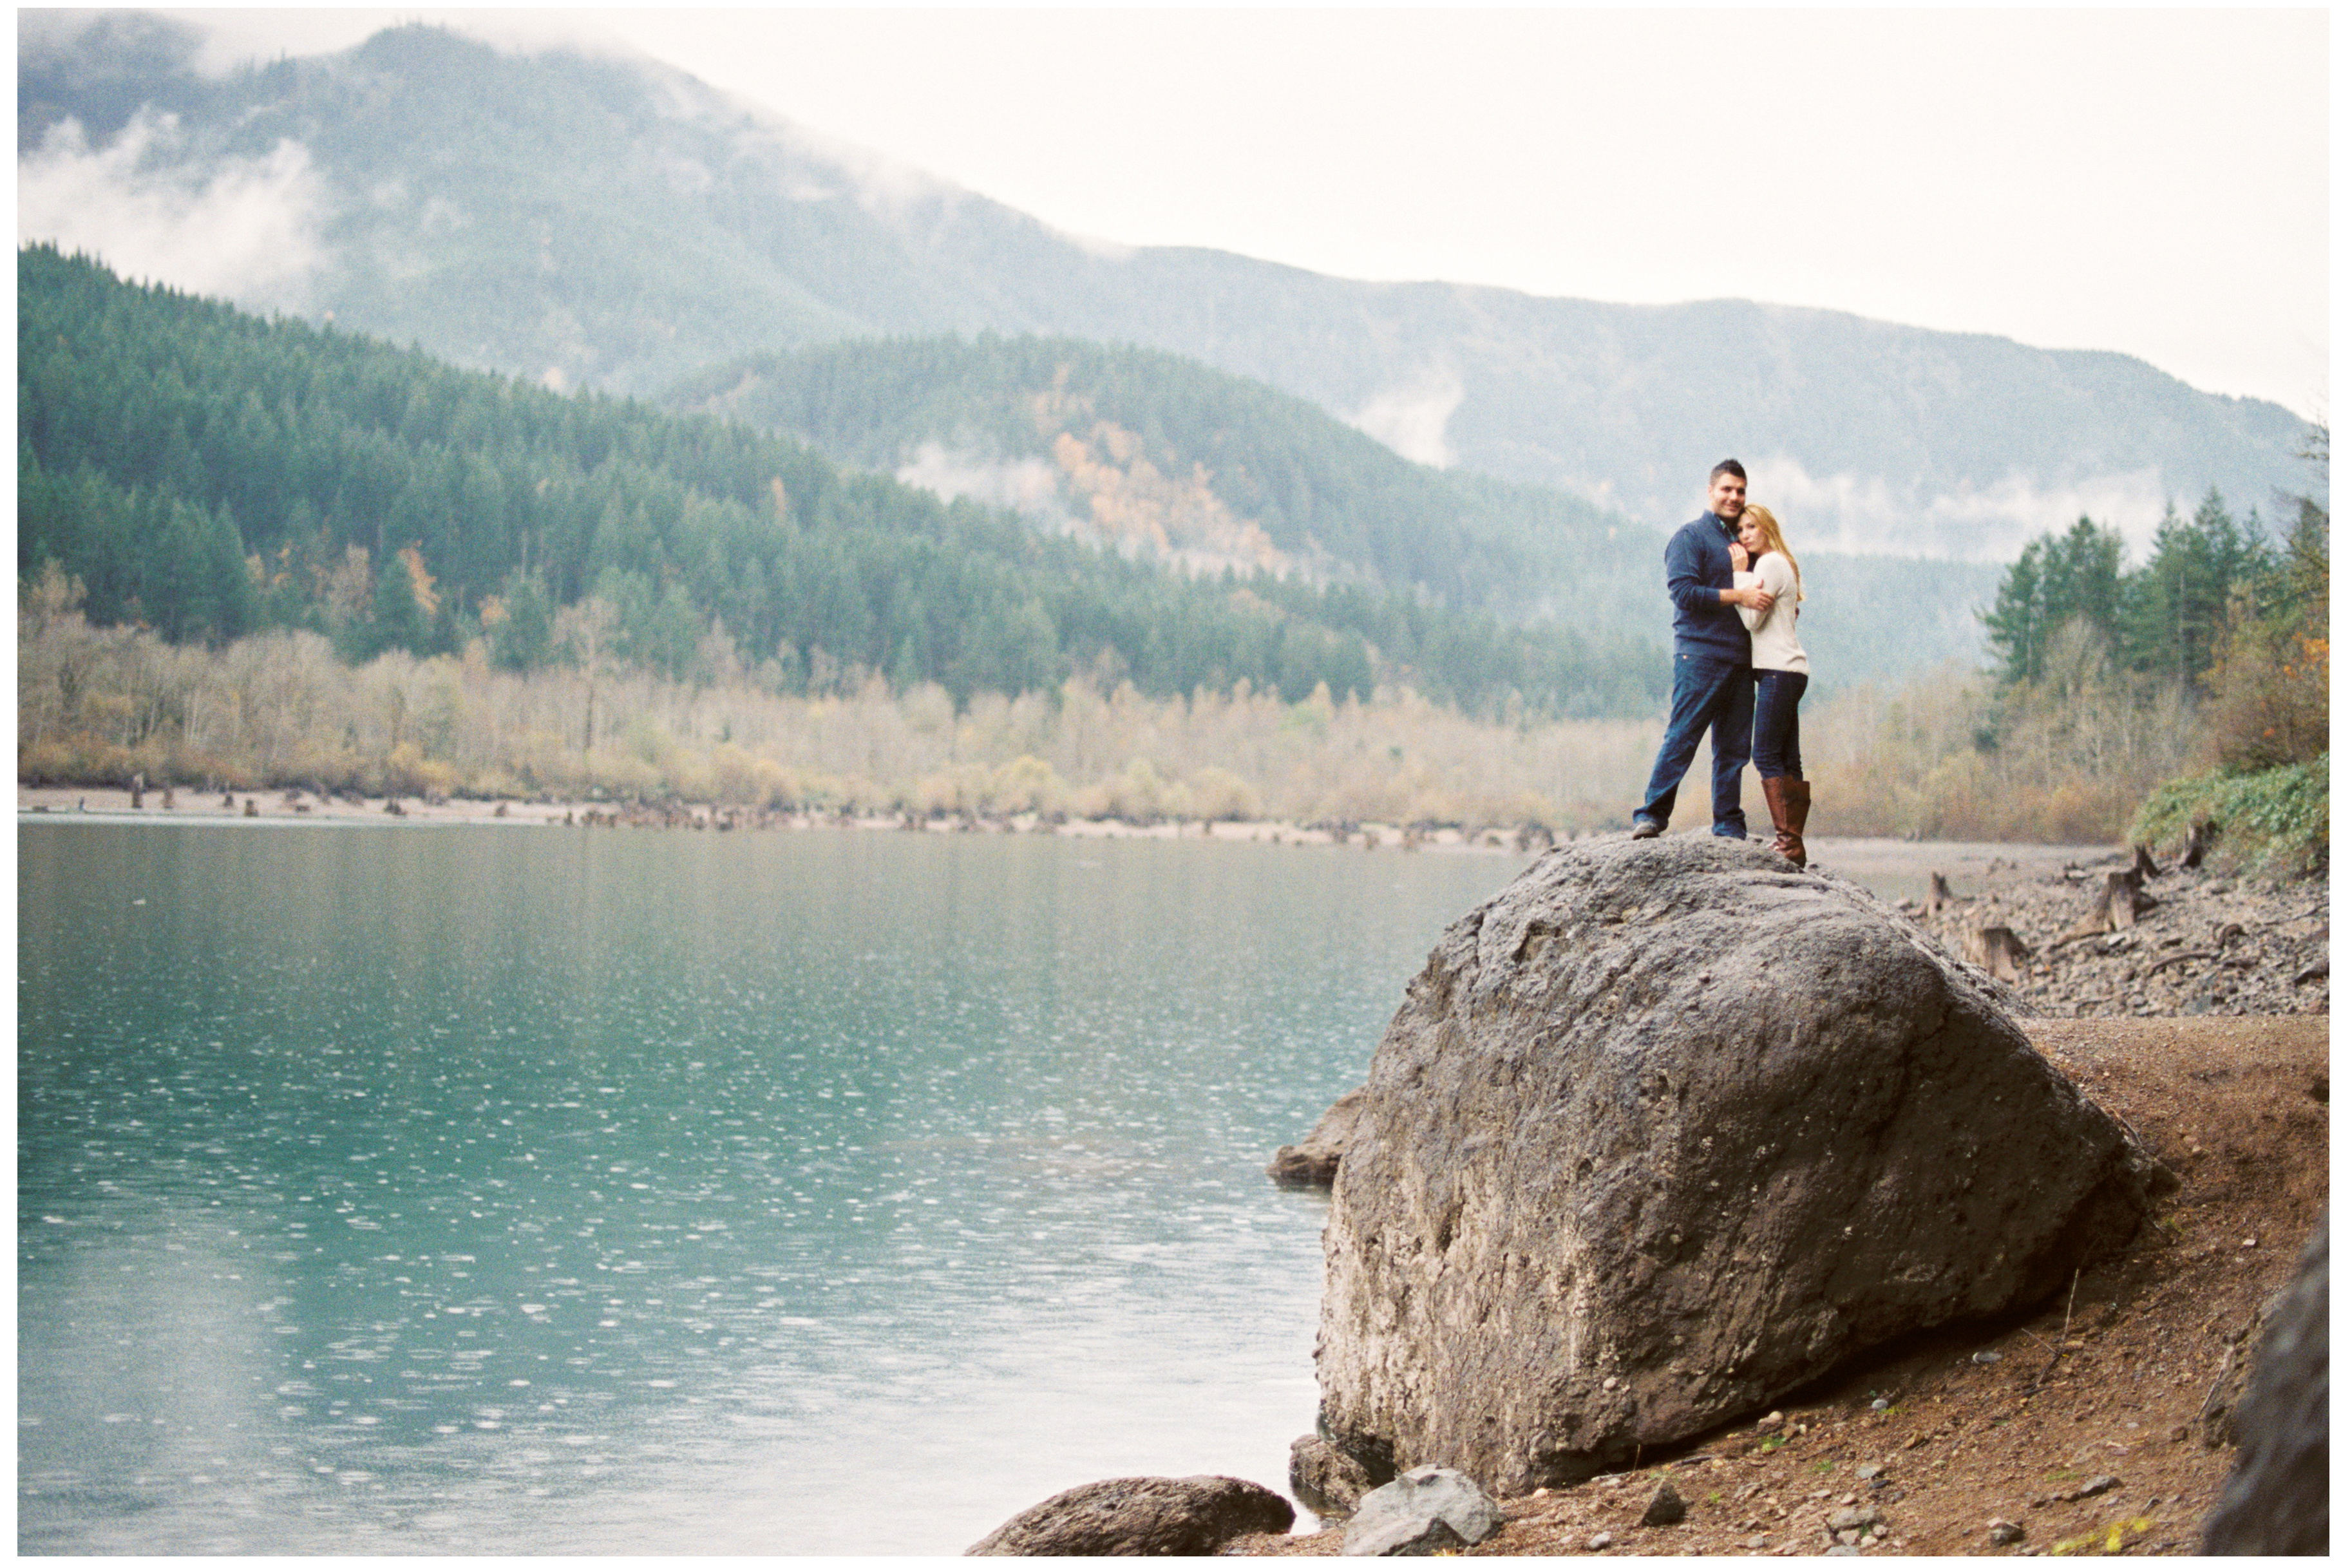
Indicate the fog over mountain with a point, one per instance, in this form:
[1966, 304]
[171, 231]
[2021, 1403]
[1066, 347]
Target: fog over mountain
[612, 222]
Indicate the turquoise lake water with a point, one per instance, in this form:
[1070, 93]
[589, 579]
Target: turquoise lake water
[494, 1190]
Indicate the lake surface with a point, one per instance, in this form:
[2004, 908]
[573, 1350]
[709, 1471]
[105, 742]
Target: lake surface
[492, 1190]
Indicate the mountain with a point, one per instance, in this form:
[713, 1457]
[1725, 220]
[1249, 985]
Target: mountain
[589, 220]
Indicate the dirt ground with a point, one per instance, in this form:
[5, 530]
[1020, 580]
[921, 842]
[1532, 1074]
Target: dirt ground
[2016, 1421]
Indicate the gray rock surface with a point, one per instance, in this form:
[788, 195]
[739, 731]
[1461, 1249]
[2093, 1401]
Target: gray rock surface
[2216, 1419]
[1141, 1516]
[2277, 1499]
[1312, 1161]
[1429, 1508]
[1665, 1130]
[1326, 1479]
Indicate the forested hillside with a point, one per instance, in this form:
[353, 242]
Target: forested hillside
[1165, 458]
[213, 474]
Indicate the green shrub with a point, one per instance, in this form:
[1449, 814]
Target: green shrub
[2277, 821]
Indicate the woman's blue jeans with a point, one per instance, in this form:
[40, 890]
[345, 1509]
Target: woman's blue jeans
[1777, 754]
[1714, 698]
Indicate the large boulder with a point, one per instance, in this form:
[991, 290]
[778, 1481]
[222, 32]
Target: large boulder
[2276, 1500]
[1141, 1516]
[1665, 1130]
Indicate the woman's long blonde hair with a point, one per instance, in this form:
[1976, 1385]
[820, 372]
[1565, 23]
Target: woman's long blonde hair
[1770, 528]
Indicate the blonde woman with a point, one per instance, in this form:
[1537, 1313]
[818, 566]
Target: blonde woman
[1761, 560]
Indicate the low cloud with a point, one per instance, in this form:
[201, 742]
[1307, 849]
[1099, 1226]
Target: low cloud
[1863, 514]
[1411, 420]
[1028, 485]
[248, 229]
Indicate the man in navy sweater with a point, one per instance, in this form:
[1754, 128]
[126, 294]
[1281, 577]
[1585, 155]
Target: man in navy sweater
[1714, 689]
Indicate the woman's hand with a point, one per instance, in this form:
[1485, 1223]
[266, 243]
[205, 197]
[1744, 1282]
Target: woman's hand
[1738, 557]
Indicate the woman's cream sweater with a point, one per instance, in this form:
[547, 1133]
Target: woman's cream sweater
[1772, 633]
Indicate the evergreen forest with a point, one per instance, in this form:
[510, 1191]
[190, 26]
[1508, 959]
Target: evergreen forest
[210, 475]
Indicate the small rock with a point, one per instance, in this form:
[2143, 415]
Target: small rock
[1868, 1472]
[1881, 1405]
[1756, 1542]
[1985, 1357]
[2098, 1483]
[1857, 1518]
[1324, 1478]
[1666, 1505]
[1600, 1539]
[1772, 1420]
[1313, 1161]
[2004, 1531]
[1427, 1509]
[1843, 1549]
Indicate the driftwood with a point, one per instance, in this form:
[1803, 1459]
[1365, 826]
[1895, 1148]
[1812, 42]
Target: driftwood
[2198, 840]
[1997, 951]
[1939, 896]
[2118, 904]
[2154, 969]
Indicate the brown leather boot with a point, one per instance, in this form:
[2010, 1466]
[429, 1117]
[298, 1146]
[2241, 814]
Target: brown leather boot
[1776, 800]
[1788, 799]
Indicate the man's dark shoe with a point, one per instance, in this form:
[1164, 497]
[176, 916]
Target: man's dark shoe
[1646, 828]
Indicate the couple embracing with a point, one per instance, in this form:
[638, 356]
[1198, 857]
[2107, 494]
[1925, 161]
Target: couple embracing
[1739, 671]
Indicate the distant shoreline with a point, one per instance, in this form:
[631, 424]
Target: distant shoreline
[1888, 867]
[278, 807]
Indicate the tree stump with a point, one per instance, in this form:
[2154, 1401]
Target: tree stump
[2118, 904]
[2198, 840]
[1939, 896]
[1997, 951]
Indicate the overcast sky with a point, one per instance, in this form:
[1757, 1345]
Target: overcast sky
[2151, 180]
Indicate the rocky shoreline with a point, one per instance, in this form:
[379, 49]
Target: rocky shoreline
[2199, 943]
[2096, 1422]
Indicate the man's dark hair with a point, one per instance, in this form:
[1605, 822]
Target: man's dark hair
[1730, 465]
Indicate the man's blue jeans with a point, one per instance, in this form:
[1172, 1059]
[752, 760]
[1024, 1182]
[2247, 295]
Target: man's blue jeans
[1717, 699]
